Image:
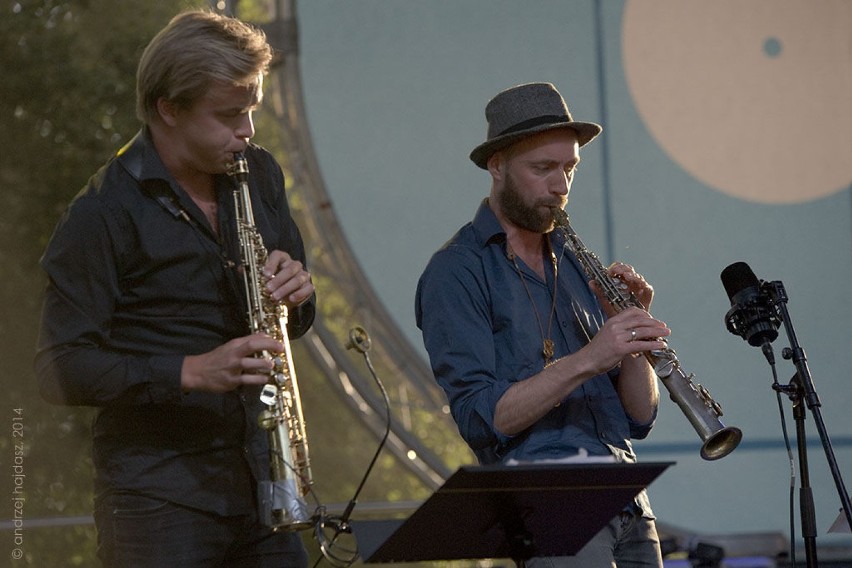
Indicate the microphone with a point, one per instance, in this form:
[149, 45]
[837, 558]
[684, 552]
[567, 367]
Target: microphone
[359, 339]
[751, 315]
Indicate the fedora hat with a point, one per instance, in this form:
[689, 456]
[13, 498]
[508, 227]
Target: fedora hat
[524, 110]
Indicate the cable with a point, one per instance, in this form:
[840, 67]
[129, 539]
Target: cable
[360, 341]
[766, 347]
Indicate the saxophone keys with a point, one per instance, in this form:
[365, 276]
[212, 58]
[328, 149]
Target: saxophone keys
[266, 420]
[710, 401]
[620, 284]
[268, 394]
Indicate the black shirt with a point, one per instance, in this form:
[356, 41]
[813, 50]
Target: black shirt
[137, 279]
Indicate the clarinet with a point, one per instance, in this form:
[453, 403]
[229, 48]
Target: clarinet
[693, 399]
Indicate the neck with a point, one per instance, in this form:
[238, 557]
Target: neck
[197, 183]
[529, 247]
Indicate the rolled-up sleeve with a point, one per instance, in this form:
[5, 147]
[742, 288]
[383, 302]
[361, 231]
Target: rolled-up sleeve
[453, 312]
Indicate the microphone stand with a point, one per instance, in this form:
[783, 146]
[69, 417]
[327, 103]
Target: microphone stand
[801, 392]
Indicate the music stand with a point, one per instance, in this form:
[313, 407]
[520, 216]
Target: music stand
[516, 512]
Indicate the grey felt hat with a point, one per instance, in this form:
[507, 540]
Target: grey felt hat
[523, 110]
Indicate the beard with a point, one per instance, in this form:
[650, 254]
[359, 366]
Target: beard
[530, 217]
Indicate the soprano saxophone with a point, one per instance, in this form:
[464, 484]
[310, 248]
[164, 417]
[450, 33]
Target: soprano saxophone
[693, 399]
[281, 498]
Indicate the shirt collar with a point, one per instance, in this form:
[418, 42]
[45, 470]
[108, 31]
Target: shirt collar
[486, 227]
[140, 151]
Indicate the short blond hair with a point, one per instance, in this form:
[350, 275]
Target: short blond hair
[196, 49]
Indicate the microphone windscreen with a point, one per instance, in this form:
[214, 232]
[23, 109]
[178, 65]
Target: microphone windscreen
[737, 277]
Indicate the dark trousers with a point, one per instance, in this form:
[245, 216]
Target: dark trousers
[141, 532]
[628, 541]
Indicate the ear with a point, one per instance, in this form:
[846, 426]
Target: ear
[168, 111]
[496, 165]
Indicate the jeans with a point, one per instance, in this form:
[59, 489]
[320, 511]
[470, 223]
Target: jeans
[628, 541]
[135, 531]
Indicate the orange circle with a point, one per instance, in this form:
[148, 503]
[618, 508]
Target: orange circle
[752, 98]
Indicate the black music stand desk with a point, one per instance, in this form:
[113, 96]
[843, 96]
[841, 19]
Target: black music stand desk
[517, 512]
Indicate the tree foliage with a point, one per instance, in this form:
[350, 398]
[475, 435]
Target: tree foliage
[67, 103]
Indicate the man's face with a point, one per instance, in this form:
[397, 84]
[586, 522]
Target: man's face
[217, 125]
[537, 173]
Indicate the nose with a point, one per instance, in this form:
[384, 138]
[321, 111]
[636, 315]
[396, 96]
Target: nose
[561, 183]
[245, 127]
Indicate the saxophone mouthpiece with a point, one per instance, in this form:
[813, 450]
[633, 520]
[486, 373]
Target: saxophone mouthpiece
[560, 217]
[239, 167]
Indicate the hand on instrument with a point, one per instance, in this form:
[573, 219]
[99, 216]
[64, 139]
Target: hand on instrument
[630, 332]
[634, 282]
[230, 365]
[288, 282]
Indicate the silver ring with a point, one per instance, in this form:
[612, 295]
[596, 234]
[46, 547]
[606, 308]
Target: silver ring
[632, 335]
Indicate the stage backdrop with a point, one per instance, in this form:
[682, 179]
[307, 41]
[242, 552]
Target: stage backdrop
[727, 137]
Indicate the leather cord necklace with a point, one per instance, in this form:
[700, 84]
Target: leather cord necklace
[547, 344]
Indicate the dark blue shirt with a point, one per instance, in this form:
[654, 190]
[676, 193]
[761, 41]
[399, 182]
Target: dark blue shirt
[137, 280]
[482, 335]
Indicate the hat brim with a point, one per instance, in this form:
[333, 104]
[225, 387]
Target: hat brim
[586, 132]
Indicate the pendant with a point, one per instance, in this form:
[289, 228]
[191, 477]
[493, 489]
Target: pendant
[547, 351]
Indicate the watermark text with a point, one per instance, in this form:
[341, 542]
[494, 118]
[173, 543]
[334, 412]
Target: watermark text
[18, 482]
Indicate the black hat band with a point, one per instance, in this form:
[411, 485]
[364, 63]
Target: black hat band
[537, 121]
